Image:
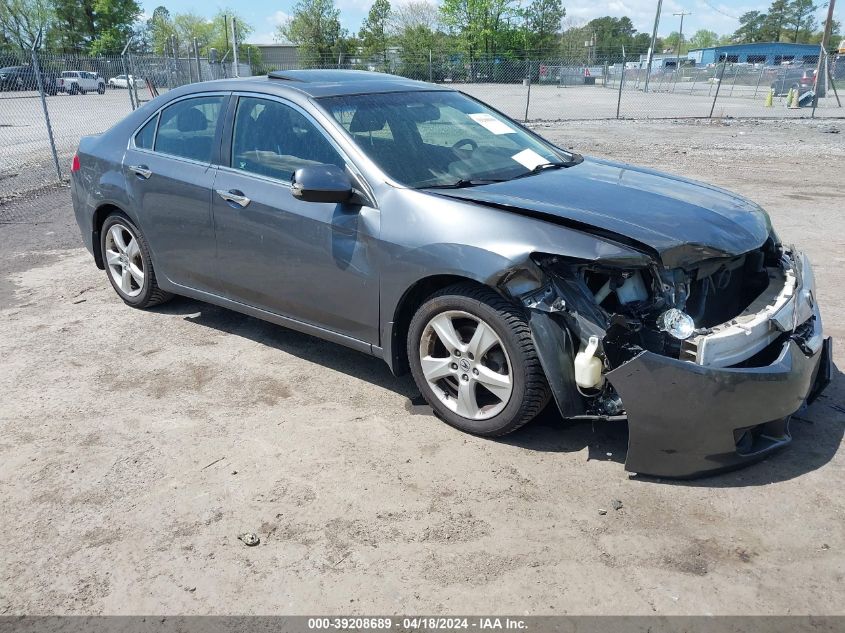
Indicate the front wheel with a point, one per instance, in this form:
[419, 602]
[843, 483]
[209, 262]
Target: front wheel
[128, 263]
[473, 359]
[101, 89]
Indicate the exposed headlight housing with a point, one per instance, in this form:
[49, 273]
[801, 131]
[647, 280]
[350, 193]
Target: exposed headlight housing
[677, 324]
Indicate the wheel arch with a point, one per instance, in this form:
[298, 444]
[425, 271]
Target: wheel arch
[100, 214]
[411, 300]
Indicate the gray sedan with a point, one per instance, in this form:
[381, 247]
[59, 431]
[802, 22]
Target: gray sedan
[411, 222]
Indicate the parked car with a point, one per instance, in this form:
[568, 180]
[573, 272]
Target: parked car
[80, 82]
[121, 81]
[412, 222]
[801, 78]
[25, 78]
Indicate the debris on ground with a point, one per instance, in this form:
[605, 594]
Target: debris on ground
[602, 511]
[250, 539]
[616, 504]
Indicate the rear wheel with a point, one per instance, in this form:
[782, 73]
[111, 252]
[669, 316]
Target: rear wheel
[128, 263]
[473, 359]
[101, 89]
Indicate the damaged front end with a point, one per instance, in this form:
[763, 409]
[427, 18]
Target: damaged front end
[707, 363]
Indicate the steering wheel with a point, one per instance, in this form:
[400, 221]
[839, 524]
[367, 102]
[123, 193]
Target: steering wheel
[466, 141]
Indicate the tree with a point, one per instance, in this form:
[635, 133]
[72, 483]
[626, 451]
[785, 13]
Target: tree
[801, 19]
[479, 24]
[703, 38]
[161, 28]
[611, 34]
[374, 31]
[113, 23]
[750, 27]
[21, 20]
[776, 19]
[542, 20]
[413, 14]
[74, 25]
[315, 27]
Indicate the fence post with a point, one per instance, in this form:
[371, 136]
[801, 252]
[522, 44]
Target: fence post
[430, 72]
[759, 79]
[197, 58]
[528, 93]
[129, 79]
[37, 68]
[736, 74]
[718, 86]
[621, 81]
[235, 69]
[134, 85]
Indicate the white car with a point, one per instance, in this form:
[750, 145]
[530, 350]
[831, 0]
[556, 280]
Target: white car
[79, 82]
[122, 81]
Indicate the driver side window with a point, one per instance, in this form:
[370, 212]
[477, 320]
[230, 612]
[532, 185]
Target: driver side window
[272, 139]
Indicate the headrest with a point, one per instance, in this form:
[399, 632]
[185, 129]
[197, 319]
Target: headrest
[191, 120]
[367, 120]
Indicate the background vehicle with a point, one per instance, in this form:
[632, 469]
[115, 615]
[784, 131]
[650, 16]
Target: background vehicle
[80, 82]
[24, 78]
[121, 81]
[799, 78]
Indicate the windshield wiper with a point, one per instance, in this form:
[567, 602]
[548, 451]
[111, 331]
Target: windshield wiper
[464, 182]
[543, 167]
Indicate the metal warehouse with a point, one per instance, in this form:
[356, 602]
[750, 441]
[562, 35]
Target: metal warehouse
[769, 53]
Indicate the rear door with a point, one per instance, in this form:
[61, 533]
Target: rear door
[310, 261]
[170, 166]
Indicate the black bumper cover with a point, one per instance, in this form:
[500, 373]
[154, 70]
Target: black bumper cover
[685, 420]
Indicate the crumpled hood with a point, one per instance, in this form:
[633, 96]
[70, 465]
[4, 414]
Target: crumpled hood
[684, 221]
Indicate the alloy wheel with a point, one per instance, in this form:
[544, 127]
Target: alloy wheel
[466, 365]
[124, 260]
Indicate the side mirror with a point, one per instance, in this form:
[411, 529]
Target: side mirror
[321, 183]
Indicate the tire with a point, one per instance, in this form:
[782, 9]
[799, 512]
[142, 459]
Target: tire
[82, 91]
[510, 359]
[73, 89]
[123, 256]
[101, 89]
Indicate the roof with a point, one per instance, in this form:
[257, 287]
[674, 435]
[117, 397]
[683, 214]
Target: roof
[759, 46]
[325, 83]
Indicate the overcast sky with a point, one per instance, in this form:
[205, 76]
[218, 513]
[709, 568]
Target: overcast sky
[716, 15]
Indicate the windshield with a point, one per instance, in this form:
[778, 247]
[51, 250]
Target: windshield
[439, 139]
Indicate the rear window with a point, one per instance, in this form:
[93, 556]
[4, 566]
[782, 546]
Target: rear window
[146, 135]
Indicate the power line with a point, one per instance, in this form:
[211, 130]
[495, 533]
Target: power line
[727, 15]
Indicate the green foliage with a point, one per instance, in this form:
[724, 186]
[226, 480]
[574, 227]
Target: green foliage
[374, 35]
[542, 22]
[315, 27]
[112, 25]
[21, 20]
[477, 23]
[750, 28]
[703, 38]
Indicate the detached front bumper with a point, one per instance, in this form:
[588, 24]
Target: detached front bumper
[685, 420]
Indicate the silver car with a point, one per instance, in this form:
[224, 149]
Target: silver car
[414, 223]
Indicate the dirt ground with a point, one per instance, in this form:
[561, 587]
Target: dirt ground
[136, 446]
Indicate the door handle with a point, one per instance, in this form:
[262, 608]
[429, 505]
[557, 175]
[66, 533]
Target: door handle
[234, 196]
[142, 171]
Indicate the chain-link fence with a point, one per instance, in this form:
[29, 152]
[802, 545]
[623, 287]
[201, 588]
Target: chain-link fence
[47, 102]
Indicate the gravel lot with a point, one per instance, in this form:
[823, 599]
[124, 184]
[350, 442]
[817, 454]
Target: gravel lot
[136, 446]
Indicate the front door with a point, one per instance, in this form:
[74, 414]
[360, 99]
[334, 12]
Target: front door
[170, 171]
[313, 262]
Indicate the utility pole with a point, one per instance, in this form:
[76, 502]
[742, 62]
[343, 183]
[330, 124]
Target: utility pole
[226, 30]
[828, 25]
[680, 40]
[653, 42]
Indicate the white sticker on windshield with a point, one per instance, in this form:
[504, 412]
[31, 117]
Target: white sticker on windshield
[492, 123]
[529, 159]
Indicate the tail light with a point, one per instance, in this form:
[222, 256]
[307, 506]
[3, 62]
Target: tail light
[74, 165]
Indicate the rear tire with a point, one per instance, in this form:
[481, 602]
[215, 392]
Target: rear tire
[129, 266]
[482, 374]
[101, 89]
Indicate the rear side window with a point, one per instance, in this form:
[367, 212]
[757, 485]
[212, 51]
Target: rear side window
[187, 128]
[145, 136]
[275, 140]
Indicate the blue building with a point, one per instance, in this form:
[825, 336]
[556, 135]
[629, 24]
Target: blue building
[767, 53]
